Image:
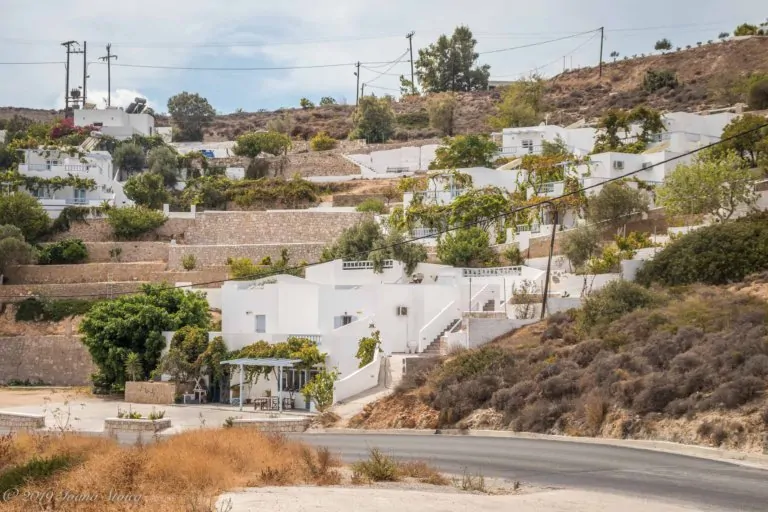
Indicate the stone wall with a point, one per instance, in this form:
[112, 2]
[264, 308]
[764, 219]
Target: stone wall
[160, 393]
[19, 421]
[54, 360]
[115, 426]
[15, 293]
[270, 227]
[97, 230]
[292, 425]
[83, 273]
[130, 252]
[216, 255]
[211, 275]
[356, 199]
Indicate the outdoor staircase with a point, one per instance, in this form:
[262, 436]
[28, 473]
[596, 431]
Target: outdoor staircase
[435, 347]
[489, 306]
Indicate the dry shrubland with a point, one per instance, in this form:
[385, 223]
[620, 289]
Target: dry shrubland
[183, 473]
[688, 365]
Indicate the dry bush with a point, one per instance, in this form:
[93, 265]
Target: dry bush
[422, 472]
[196, 465]
[377, 468]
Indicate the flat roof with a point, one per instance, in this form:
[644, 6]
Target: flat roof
[267, 361]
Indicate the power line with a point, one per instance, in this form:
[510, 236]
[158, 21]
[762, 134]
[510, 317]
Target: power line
[461, 226]
[579, 47]
[394, 63]
[264, 68]
[539, 43]
[31, 63]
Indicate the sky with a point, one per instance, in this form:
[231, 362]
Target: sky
[294, 33]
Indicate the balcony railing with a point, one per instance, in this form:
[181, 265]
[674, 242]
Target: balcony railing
[50, 167]
[38, 167]
[398, 169]
[365, 265]
[317, 338]
[77, 200]
[424, 232]
[77, 168]
[492, 272]
[533, 228]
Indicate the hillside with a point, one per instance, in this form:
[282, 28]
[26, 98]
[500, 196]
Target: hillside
[691, 367]
[705, 73]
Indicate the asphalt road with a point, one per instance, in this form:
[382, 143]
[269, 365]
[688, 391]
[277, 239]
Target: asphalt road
[710, 485]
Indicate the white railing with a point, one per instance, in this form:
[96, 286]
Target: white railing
[365, 265]
[492, 272]
[317, 338]
[434, 327]
[424, 232]
[533, 228]
[398, 169]
[38, 167]
[76, 168]
[77, 200]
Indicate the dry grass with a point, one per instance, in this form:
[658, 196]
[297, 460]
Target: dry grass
[383, 468]
[184, 473]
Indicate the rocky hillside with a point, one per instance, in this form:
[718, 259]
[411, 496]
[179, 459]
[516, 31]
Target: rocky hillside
[705, 74]
[691, 366]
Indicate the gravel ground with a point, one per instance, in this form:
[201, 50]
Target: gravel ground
[430, 499]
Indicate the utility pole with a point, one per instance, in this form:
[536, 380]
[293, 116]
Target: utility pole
[409, 36]
[85, 70]
[108, 59]
[68, 45]
[357, 88]
[362, 90]
[549, 264]
[602, 38]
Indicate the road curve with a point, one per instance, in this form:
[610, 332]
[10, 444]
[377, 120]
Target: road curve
[709, 485]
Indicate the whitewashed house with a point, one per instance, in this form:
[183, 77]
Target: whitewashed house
[118, 123]
[95, 165]
[338, 303]
[393, 162]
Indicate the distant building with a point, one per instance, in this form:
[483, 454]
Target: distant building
[118, 123]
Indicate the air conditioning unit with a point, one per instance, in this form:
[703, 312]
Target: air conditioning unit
[402, 311]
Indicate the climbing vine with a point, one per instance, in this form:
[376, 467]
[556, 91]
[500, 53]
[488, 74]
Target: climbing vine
[367, 348]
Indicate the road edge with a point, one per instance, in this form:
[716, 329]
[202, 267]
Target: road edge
[754, 460]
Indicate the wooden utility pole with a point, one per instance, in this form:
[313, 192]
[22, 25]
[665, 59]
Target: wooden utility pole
[108, 59]
[409, 36]
[68, 45]
[602, 38]
[85, 70]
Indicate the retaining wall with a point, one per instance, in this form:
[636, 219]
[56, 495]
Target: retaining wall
[19, 421]
[115, 426]
[297, 425]
[216, 255]
[160, 393]
[97, 230]
[356, 199]
[54, 360]
[83, 273]
[130, 252]
[19, 292]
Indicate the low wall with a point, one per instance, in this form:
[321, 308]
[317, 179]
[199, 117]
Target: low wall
[97, 230]
[130, 252]
[115, 426]
[54, 360]
[216, 255]
[282, 425]
[356, 199]
[212, 275]
[159, 393]
[83, 273]
[19, 421]
[363, 379]
[19, 292]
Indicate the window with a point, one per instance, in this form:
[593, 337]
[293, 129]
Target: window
[341, 321]
[618, 165]
[528, 144]
[261, 323]
[51, 163]
[79, 196]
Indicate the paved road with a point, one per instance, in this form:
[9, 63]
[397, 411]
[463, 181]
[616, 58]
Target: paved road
[710, 485]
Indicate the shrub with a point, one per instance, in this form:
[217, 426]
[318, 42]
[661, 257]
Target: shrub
[716, 254]
[372, 205]
[306, 103]
[26, 213]
[189, 262]
[37, 469]
[322, 142]
[757, 97]
[68, 251]
[130, 223]
[617, 298]
[655, 80]
[733, 394]
[36, 310]
[417, 119]
[378, 467]
[513, 255]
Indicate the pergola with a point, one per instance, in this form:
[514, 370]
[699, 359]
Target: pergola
[268, 361]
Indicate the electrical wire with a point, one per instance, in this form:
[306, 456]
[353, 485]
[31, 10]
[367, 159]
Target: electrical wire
[394, 63]
[29, 63]
[579, 47]
[539, 43]
[453, 228]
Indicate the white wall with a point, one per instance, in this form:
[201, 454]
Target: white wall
[361, 380]
[414, 158]
[116, 122]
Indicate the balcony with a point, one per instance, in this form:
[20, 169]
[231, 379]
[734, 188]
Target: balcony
[56, 168]
[532, 228]
[424, 232]
[317, 338]
[365, 265]
[492, 272]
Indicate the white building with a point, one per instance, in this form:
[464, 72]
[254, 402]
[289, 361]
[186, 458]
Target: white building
[96, 165]
[338, 303]
[395, 161]
[441, 189]
[517, 142]
[118, 123]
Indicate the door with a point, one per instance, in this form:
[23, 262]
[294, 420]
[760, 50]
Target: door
[261, 323]
[79, 196]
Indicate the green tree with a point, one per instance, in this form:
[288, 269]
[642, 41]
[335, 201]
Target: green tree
[374, 120]
[469, 247]
[615, 126]
[465, 151]
[327, 100]
[129, 223]
[746, 29]
[366, 241]
[164, 161]
[441, 109]
[252, 144]
[26, 213]
[715, 186]
[746, 137]
[320, 389]
[614, 55]
[322, 142]
[8, 157]
[13, 249]
[482, 207]
[129, 158]
[521, 104]
[581, 245]
[367, 348]
[663, 45]
[305, 103]
[146, 189]
[447, 64]
[757, 97]
[558, 148]
[191, 113]
[185, 358]
[114, 329]
[615, 203]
